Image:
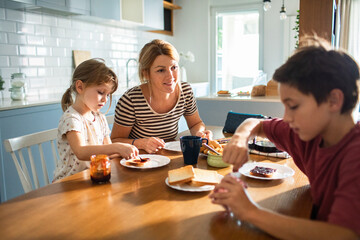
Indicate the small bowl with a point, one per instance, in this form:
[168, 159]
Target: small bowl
[216, 160]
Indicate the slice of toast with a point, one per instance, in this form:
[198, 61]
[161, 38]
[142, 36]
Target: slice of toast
[205, 177]
[137, 162]
[181, 175]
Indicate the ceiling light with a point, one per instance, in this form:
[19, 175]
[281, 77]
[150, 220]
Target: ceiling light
[283, 12]
[267, 5]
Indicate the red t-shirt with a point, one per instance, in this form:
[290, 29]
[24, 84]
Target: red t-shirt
[333, 172]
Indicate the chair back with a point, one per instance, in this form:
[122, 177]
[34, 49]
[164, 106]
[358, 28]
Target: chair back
[110, 119]
[233, 120]
[15, 147]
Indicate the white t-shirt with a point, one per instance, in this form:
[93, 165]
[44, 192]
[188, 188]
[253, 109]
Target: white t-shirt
[94, 133]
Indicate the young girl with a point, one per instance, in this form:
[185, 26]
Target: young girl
[83, 131]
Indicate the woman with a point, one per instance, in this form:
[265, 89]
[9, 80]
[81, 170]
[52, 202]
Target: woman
[147, 115]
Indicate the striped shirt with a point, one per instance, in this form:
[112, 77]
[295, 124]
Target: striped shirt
[133, 110]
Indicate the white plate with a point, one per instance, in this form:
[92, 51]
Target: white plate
[173, 146]
[155, 161]
[188, 188]
[281, 170]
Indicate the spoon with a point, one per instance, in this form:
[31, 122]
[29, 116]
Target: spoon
[211, 149]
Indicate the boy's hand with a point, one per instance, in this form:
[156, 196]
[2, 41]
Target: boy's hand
[236, 152]
[231, 193]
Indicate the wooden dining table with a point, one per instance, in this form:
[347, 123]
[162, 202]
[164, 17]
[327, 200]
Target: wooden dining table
[137, 204]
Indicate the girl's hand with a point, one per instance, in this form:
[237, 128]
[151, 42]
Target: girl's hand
[231, 193]
[205, 134]
[152, 145]
[127, 151]
[236, 151]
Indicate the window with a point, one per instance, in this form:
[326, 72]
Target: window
[236, 48]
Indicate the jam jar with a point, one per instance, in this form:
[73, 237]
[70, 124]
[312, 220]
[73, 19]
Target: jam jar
[100, 168]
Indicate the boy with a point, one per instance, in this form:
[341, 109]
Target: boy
[318, 87]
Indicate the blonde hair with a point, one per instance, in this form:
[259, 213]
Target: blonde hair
[91, 72]
[152, 50]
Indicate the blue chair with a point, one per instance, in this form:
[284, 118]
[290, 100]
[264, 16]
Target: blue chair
[233, 120]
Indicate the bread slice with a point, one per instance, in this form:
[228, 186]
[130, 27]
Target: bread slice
[262, 171]
[205, 177]
[181, 175]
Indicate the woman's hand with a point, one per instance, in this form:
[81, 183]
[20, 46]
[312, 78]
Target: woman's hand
[231, 193]
[205, 134]
[151, 145]
[127, 151]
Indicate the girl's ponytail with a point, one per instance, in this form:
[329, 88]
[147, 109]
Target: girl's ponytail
[67, 100]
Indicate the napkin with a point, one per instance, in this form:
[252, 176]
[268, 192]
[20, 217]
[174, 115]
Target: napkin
[275, 154]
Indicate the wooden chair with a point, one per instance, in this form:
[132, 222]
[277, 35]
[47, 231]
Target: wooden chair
[15, 147]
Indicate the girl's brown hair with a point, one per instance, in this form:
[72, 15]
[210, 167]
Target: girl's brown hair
[150, 51]
[91, 72]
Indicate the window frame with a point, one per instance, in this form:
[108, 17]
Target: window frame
[213, 30]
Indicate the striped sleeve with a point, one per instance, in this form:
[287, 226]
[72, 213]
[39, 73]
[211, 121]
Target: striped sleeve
[190, 102]
[124, 111]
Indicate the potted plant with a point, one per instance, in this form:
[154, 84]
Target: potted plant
[1, 83]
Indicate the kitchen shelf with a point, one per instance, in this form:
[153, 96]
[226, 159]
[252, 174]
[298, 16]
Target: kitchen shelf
[169, 6]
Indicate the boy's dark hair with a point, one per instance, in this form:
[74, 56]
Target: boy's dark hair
[317, 69]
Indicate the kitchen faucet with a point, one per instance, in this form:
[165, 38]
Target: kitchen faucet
[127, 71]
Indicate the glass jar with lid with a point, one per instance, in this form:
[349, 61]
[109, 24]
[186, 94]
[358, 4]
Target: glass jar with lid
[18, 86]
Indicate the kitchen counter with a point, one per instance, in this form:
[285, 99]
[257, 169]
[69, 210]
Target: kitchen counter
[241, 98]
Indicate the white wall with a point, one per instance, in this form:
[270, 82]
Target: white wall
[192, 32]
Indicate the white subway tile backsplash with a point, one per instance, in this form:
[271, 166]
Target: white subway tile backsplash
[29, 72]
[2, 13]
[16, 38]
[58, 32]
[7, 26]
[26, 50]
[42, 30]
[3, 37]
[35, 40]
[45, 71]
[25, 28]
[52, 62]
[13, 15]
[8, 50]
[43, 51]
[37, 82]
[51, 41]
[66, 62]
[64, 22]
[36, 61]
[33, 18]
[6, 72]
[49, 20]
[64, 42]
[4, 61]
[19, 61]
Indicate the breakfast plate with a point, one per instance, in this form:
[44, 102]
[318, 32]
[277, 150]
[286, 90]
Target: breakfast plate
[155, 161]
[282, 171]
[188, 188]
[173, 146]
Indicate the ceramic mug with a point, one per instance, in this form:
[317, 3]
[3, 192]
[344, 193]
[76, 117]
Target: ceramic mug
[190, 147]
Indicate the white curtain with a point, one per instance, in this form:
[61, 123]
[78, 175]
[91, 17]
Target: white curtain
[348, 27]
[354, 33]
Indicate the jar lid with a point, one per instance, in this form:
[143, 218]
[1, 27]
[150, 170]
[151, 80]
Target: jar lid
[18, 75]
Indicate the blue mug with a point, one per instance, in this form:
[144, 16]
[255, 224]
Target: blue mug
[190, 147]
